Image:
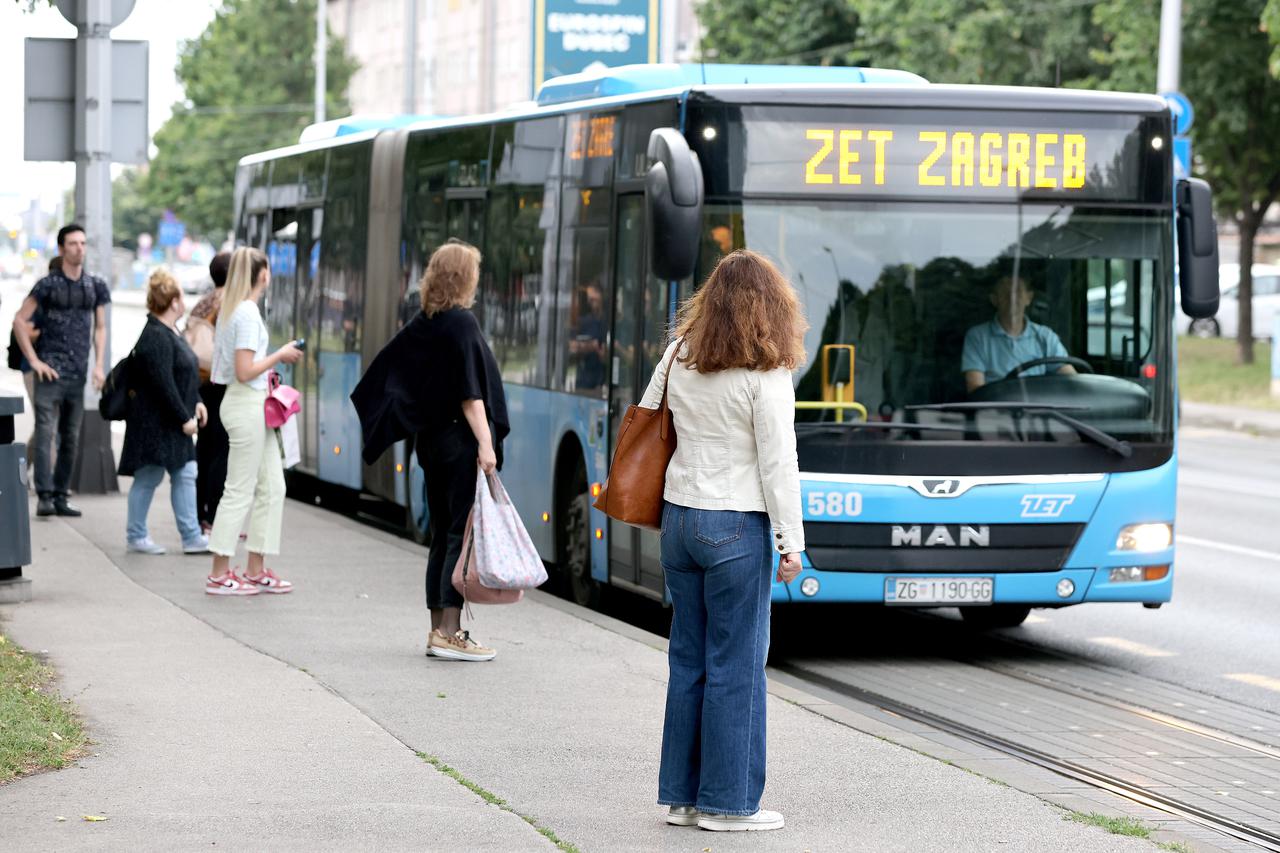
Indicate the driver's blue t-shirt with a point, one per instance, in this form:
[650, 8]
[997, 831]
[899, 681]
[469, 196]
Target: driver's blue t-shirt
[989, 348]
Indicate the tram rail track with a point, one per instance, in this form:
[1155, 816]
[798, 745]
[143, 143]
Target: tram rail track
[1261, 837]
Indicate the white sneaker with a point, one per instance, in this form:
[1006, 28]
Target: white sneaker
[741, 823]
[145, 546]
[199, 545]
[682, 816]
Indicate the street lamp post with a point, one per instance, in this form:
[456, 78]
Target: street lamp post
[1170, 63]
[322, 52]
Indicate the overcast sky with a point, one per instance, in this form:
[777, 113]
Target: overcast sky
[163, 23]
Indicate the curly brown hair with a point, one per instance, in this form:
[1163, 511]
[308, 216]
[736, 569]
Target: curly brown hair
[451, 278]
[745, 315]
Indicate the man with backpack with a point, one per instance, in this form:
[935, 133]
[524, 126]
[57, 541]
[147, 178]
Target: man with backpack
[73, 304]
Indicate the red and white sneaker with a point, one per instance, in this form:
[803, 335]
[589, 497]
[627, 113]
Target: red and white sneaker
[268, 582]
[229, 584]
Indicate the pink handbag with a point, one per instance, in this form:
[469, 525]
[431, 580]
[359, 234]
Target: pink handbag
[283, 401]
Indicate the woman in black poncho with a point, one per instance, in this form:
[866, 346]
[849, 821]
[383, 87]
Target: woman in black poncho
[438, 380]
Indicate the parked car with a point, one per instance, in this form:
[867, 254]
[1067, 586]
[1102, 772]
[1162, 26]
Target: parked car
[1266, 303]
[193, 279]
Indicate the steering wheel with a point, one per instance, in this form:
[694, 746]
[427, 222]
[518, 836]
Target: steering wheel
[1078, 363]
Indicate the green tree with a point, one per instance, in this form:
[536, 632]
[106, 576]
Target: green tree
[132, 213]
[996, 42]
[779, 32]
[1226, 75]
[249, 82]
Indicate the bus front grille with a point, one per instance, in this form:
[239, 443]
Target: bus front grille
[867, 547]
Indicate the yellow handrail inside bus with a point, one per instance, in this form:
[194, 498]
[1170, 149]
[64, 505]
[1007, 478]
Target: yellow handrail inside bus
[840, 407]
[838, 391]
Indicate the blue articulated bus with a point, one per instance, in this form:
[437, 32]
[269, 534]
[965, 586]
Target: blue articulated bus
[987, 417]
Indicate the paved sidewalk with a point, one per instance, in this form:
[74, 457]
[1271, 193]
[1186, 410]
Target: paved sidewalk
[1256, 421]
[292, 722]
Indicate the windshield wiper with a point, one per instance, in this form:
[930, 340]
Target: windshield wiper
[815, 426]
[1050, 410]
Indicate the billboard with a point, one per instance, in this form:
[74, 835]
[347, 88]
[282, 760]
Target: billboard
[573, 35]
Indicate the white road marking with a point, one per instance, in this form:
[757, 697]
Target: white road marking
[1227, 546]
[1132, 647]
[1264, 681]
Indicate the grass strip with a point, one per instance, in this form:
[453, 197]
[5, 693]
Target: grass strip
[1115, 825]
[38, 730]
[1208, 372]
[494, 800]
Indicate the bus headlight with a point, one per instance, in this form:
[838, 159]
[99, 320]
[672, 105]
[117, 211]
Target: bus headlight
[809, 586]
[1145, 537]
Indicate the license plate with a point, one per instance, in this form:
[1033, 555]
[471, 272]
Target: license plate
[937, 590]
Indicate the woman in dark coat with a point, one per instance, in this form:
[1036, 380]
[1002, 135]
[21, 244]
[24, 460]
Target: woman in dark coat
[438, 379]
[164, 412]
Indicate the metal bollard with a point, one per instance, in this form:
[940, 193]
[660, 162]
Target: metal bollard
[15, 515]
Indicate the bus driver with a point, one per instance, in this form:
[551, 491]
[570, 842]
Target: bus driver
[994, 348]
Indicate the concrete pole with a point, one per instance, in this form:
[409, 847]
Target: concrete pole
[94, 471]
[93, 134]
[1170, 65]
[410, 105]
[321, 57]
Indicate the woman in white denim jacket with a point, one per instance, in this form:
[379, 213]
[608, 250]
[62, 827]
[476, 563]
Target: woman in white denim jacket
[732, 502]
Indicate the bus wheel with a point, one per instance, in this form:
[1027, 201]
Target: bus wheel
[575, 538]
[995, 616]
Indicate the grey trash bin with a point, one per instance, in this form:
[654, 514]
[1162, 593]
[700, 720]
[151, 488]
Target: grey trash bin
[15, 518]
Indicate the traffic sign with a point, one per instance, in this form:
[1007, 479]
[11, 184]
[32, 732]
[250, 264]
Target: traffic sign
[1183, 113]
[1182, 158]
[171, 232]
[73, 11]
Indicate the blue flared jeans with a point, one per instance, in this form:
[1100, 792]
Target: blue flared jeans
[717, 566]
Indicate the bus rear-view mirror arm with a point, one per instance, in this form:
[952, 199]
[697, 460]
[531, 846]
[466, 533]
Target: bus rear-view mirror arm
[1197, 249]
[673, 205]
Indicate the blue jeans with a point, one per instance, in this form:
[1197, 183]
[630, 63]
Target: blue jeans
[182, 495]
[717, 566]
[59, 409]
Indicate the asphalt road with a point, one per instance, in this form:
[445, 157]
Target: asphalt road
[1221, 633]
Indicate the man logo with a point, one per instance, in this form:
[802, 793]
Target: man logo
[975, 536]
[941, 488]
[1045, 506]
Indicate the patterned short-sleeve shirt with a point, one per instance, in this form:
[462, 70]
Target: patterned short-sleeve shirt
[67, 329]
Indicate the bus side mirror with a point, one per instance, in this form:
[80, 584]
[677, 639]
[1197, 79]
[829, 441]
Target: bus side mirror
[673, 205]
[1197, 249]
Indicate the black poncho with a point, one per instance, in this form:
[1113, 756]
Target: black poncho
[419, 380]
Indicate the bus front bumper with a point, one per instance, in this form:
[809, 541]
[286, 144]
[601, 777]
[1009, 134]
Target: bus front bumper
[1039, 589]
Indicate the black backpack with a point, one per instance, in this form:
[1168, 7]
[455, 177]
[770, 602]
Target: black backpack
[116, 393]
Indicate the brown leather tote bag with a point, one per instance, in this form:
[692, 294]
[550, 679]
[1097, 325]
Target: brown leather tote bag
[637, 477]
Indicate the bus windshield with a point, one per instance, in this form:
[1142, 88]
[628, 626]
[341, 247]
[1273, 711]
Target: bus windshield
[1009, 310]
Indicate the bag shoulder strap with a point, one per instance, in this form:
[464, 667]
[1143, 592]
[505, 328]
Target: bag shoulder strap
[663, 408]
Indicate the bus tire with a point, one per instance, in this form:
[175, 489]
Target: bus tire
[575, 539]
[995, 616]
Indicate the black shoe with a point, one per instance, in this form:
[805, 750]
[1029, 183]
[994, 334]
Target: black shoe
[45, 507]
[62, 507]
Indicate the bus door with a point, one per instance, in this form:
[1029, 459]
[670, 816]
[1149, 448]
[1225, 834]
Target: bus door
[289, 309]
[639, 337]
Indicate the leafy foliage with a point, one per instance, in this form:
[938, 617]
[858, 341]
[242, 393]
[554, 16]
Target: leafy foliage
[779, 32]
[249, 81]
[132, 213]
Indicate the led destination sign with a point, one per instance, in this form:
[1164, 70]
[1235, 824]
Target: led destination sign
[961, 158]
[945, 154]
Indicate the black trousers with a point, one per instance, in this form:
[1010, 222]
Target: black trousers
[448, 459]
[212, 448]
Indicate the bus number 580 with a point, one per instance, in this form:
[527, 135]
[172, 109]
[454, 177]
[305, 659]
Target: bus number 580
[834, 504]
